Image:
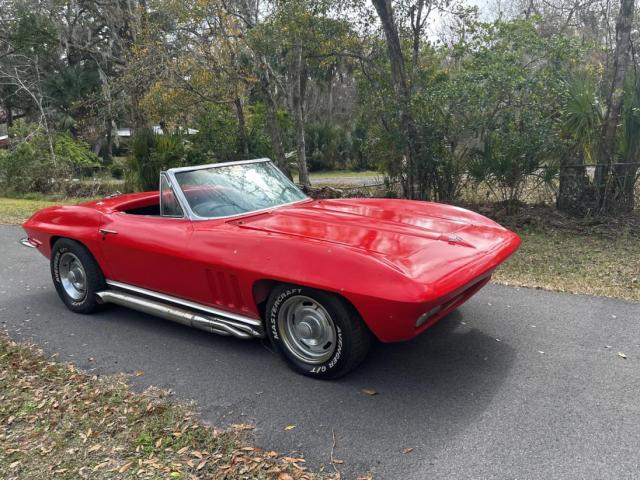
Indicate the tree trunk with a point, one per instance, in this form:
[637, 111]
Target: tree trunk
[298, 114]
[9, 113]
[272, 123]
[107, 155]
[574, 185]
[402, 91]
[611, 180]
[242, 127]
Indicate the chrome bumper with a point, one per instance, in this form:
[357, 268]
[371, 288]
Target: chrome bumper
[27, 242]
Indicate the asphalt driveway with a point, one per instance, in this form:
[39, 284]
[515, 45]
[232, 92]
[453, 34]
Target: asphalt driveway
[518, 384]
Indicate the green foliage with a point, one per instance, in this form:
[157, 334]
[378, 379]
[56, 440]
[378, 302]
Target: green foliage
[217, 139]
[69, 91]
[153, 153]
[581, 117]
[34, 33]
[29, 166]
[629, 138]
[333, 147]
[511, 81]
[74, 153]
[501, 104]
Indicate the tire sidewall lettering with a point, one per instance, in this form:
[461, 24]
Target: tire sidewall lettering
[58, 281]
[56, 263]
[338, 353]
[273, 314]
[321, 369]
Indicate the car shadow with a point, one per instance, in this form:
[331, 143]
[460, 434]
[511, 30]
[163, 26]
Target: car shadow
[428, 390]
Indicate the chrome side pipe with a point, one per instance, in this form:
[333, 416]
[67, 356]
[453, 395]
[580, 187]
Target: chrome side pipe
[208, 323]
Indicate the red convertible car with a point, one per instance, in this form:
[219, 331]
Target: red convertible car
[237, 249]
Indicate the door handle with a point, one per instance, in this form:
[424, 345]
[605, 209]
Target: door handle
[104, 231]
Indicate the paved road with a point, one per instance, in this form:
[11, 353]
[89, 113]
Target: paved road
[475, 397]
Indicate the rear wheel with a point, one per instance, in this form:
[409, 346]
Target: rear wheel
[76, 276]
[318, 333]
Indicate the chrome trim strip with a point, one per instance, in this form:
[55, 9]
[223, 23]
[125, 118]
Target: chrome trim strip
[254, 322]
[212, 165]
[27, 242]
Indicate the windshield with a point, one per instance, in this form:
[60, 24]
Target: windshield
[235, 189]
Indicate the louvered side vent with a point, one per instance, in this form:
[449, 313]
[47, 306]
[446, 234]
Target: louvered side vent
[225, 290]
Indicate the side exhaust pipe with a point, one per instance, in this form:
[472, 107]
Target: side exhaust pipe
[219, 325]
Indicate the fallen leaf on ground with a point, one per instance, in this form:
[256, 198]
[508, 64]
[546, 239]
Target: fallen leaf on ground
[407, 450]
[289, 427]
[370, 391]
[622, 355]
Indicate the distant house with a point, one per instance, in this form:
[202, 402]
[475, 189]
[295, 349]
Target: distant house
[157, 129]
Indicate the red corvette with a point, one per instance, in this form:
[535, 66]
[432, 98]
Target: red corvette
[237, 249]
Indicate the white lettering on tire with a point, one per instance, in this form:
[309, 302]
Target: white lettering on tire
[273, 316]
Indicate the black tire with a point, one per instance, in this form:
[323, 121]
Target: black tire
[93, 278]
[352, 337]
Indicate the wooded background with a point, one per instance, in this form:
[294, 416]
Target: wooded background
[438, 96]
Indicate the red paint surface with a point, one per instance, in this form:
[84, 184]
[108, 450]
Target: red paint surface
[392, 259]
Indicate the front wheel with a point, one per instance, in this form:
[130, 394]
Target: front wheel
[76, 276]
[318, 333]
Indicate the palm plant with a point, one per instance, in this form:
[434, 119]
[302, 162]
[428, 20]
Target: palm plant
[581, 119]
[580, 126]
[628, 150]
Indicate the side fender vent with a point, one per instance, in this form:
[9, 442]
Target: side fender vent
[225, 290]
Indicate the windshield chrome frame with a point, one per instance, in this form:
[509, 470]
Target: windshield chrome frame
[186, 208]
[173, 189]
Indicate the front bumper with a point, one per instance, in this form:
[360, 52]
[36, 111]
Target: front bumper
[29, 242]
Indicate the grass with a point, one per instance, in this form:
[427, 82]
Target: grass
[342, 178]
[598, 263]
[58, 422]
[17, 210]
[344, 173]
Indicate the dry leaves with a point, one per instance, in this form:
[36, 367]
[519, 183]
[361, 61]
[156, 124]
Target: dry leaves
[56, 420]
[369, 391]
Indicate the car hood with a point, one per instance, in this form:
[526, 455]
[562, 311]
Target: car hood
[411, 236]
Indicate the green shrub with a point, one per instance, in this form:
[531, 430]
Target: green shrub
[74, 153]
[28, 165]
[117, 171]
[153, 153]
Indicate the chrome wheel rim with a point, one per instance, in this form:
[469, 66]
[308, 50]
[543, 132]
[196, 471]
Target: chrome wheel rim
[72, 276]
[307, 329]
